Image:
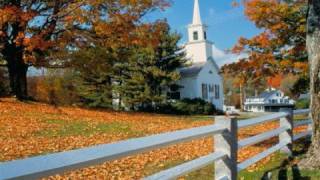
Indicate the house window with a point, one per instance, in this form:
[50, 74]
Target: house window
[204, 91]
[217, 91]
[195, 35]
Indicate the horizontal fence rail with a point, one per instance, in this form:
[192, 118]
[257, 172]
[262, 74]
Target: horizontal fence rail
[301, 111]
[302, 135]
[259, 120]
[302, 123]
[187, 167]
[260, 156]
[261, 137]
[226, 147]
[285, 133]
[42, 166]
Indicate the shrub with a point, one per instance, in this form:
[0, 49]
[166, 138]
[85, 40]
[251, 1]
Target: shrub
[188, 107]
[55, 88]
[303, 104]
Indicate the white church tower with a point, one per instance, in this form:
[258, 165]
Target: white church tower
[198, 48]
[201, 79]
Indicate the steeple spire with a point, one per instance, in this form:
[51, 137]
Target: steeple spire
[196, 13]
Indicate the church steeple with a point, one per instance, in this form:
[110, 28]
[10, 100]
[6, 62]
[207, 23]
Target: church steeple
[196, 13]
[198, 48]
[197, 30]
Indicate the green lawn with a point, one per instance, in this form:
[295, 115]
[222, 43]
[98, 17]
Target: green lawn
[280, 167]
[83, 128]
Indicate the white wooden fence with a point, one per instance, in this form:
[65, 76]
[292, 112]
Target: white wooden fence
[226, 147]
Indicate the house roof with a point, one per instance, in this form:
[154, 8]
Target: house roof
[267, 94]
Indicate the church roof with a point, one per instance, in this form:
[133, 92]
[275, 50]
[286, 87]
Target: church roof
[192, 70]
[195, 68]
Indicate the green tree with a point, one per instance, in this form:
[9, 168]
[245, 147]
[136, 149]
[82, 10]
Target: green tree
[150, 71]
[93, 74]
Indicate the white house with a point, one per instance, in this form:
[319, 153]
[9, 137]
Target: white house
[271, 100]
[202, 78]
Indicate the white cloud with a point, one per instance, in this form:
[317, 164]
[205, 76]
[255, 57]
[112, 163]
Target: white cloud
[222, 57]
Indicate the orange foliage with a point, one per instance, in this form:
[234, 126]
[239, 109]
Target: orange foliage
[120, 26]
[33, 129]
[275, 81]
[280, 48]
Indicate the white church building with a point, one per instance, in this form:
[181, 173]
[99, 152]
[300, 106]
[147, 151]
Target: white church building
[201, 79]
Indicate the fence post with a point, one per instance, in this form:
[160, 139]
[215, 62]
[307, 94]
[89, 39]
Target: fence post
[287, 136]
[226, 142]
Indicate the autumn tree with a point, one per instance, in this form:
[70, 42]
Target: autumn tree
[28, 29]
[275, 81]
[246, 75]
[280, 49]
[292, 40]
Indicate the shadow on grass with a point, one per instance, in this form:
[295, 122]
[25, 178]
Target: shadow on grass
[288, 169]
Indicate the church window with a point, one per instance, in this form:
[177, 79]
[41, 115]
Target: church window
[195, 35]
[204, 91]
[217, 91]
[205, 35]
[211, 88]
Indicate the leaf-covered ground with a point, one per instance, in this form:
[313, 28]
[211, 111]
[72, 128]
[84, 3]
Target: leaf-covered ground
[30, 129]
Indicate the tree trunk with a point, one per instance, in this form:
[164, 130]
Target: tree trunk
[312, 160]
[241, 98]
[18, 76]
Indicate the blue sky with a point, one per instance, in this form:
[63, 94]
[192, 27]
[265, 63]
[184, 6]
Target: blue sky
[226, 23]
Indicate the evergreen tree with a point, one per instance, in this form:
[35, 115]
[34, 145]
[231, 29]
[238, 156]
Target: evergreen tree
[93, 71]
[131, 77]
[151, 70]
